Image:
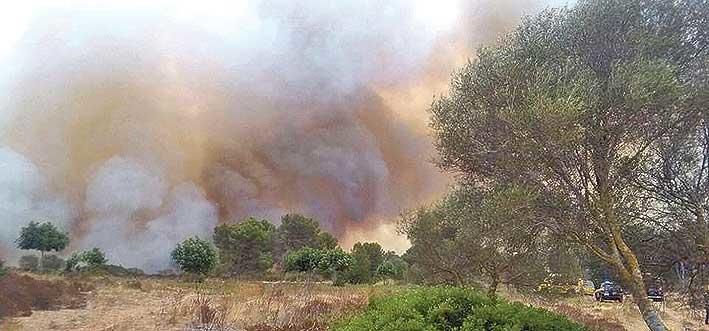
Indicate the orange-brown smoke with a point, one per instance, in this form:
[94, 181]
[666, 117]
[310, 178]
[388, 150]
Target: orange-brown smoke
[134, 130]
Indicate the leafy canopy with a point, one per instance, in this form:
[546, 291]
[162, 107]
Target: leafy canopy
[195, 255]
[43, 237]
[93, 258]
[246, 247]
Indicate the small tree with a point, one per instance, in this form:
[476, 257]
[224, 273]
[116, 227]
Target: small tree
[195, 256]
[43, 237]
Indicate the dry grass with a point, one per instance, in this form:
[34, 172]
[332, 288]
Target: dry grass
[230, 305]
[264, 306]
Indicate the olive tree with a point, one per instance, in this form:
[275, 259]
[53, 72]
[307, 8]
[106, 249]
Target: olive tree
[44, 237]
[569, 105]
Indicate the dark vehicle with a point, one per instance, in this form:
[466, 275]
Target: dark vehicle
[654, 289]
[655, 294]
[609, 291]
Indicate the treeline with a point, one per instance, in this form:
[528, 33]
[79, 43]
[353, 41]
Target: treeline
[251, 248]
[257, 248]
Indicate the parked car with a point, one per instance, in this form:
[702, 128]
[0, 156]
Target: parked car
[609, 291]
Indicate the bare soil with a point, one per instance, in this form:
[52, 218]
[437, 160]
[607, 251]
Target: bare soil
[21, 294]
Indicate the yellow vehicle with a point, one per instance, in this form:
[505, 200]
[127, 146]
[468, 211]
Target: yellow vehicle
[552, 285]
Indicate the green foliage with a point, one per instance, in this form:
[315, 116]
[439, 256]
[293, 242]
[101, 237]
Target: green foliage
[297, 231]
[475, 233]
[393, 267]
[195, 256]
[246, 247]
[516, 316]
[43, 237]
[451, 308]
[94, 257]
[571, 106]
[90, 259]
[366, 258]
[303, 260]
[327, 241]
[334, 260]
[329, 262]
[29, 263]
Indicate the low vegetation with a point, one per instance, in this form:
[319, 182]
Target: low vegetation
[451, 308]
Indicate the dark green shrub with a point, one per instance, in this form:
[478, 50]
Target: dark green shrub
[29, 263]
[451, 308]
[516, 316]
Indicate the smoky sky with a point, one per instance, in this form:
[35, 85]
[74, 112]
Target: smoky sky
[135, 127]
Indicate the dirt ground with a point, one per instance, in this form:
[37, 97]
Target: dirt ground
[615, 316]
[21, 294]
[167, 304]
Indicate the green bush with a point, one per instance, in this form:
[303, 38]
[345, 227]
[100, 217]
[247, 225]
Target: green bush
[451, 308]
[330, 263]
[91, 259]
[303, 260]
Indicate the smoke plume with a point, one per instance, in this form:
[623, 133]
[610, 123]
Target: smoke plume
[135, 126]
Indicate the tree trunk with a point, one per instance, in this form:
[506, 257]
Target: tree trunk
[627, 264]
[41, 260]
[631, 275]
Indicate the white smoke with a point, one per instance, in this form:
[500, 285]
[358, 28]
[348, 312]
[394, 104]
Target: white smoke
[25, 197]
[136, 124]
[122, 193]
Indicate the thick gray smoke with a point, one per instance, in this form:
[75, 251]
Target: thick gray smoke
[136, 126]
